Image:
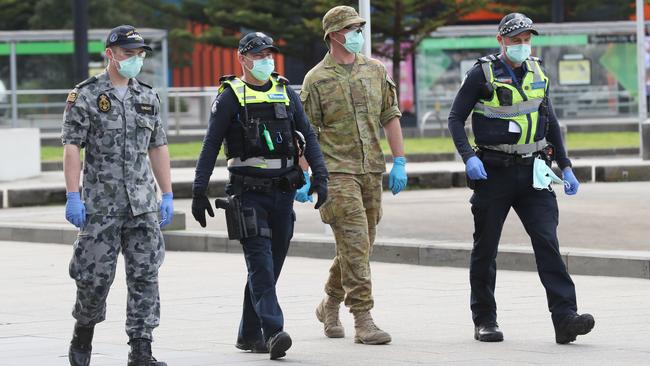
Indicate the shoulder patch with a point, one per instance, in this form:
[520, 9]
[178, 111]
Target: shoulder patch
[226, 78]
[144, 84]
[90, 80]
[72, 96]
[390, 81]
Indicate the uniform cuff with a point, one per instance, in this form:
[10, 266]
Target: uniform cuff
[389, 114]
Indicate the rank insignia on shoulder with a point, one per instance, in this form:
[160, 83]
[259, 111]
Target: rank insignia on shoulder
[103, 103]
[72, 96]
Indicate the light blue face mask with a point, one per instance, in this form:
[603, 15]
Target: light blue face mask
[262, 69]
[353, 41]
[130, 67]
[543, 175]
[518, 53]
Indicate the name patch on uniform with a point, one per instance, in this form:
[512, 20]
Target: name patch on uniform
[103, 103]
[504, 80]
[538, 85]
[276, 96]
[144, 108]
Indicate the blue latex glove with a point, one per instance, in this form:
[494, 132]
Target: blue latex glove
[166, 209]
[571, 184]
[475, 169]
[397, 178]
[75, 211]
[301, 194]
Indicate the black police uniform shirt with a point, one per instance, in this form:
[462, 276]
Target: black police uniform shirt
[224, 109]
[473, 89]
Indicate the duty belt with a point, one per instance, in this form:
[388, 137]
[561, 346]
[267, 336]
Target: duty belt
[261, 162]
[523, 150]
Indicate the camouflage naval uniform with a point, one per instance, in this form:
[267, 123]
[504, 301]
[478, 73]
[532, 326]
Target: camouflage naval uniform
[120, 199]
[347, 110]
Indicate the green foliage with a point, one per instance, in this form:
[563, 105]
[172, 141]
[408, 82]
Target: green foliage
[296, 24]
[581, 140]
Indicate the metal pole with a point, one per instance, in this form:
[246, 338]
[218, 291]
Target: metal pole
[14, 86]
[165, 86]
[80, 13]
[644, 131]
[557, 11]
[364, 12]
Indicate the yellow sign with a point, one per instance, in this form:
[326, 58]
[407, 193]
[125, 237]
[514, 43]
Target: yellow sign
[574, 72]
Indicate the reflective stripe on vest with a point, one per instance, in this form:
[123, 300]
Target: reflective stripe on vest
[245, 95]
[533, 85]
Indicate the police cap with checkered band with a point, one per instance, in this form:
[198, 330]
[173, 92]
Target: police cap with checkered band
[514, 24]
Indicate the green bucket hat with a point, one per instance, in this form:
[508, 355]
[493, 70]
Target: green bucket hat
[340, 17]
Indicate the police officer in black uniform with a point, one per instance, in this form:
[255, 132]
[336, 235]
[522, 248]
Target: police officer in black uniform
[265, 130]
[513, 123]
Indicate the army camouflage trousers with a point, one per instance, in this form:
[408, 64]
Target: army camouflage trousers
[93, 269]
[353, 210]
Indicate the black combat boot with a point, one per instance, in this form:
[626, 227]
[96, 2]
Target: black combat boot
[572, 326]
[140, 354]
[278, 345]
[488, 332]
[81, 345]
[257, 346]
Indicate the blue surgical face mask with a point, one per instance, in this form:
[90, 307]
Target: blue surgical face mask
[543, 175]
[353, 41]
[130, 67]
[518, 53]
[262, 69]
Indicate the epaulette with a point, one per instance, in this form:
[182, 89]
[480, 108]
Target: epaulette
[226, 78]
[90, 80]
[281, 79]
[533, 58]
[488, 58]
[144, 84]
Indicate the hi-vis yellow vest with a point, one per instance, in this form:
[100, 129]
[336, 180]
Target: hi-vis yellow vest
[525, 107]
[246, 95]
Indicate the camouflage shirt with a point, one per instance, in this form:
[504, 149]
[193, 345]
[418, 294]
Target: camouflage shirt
[347, 110]
[116, 136]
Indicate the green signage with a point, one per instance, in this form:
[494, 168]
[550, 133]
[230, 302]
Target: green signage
[48, 48]
[469, 43]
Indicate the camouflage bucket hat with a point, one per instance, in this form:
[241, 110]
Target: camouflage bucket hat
[340, 17]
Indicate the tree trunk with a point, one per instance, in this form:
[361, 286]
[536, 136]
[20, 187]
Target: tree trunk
[397, 46]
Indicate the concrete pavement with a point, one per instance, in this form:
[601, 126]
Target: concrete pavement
[424, 308]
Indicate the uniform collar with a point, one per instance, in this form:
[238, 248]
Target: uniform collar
[331, 63]
[105, 83]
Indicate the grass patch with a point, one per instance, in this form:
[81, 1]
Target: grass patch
[577, 140]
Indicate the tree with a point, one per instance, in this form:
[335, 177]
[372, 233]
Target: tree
[399, 26]
[296, 24]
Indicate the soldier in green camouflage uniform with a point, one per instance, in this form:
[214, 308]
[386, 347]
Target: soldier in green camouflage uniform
[115, 118]
[348, 99]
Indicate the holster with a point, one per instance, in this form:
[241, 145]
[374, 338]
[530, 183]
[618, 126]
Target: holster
[241, 221]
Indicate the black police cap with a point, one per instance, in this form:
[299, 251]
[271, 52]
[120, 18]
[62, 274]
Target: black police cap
[256, 42]
[514, 24]
[126, 36]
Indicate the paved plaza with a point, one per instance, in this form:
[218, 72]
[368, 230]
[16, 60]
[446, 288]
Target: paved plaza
[424, 308]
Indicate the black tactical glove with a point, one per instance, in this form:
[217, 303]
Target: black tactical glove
[200, 203]
[319, 185]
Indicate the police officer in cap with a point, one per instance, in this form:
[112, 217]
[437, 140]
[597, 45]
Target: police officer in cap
[262, 122]
[115, 118]
[517, 137]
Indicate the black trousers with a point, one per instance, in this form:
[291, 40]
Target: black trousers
[508, 187]
[262, 316]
